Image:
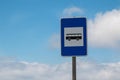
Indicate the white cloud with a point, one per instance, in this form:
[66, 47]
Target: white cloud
[54, 41]
[72, 11]
[104, 30]
[37, 71]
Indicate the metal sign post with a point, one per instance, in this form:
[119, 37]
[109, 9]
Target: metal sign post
[73, 68]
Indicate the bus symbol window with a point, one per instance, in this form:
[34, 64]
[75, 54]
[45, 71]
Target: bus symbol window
[73, 36]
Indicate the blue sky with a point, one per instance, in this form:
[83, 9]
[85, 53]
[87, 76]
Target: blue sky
[30, 39]
[29, 28]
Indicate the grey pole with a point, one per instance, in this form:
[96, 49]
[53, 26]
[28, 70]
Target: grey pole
[73, 68]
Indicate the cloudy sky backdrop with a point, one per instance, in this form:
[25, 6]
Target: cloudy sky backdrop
[30, 39]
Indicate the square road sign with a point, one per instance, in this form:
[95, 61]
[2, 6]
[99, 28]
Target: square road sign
[73, 37]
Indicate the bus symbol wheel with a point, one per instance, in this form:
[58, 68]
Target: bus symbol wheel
[69, 39]
[77, 39]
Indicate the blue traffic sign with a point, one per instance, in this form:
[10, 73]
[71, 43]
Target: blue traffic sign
[73, 37]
